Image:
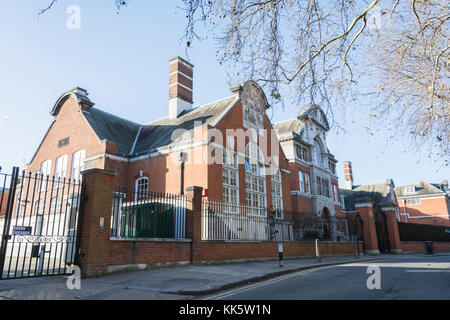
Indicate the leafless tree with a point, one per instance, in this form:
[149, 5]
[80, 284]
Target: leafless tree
[320, 50]
[393, 55]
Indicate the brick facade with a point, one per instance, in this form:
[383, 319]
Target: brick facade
[119, 152]
[100, 254]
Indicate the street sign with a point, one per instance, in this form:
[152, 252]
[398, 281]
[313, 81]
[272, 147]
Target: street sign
[21, 230]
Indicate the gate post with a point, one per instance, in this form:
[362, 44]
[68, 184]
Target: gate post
[392, 226]
[8, 216]
[95, 244]
[194, 221]
[364, 206]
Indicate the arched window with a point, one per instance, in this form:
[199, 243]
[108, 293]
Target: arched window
[318, 153]
[255, 187]
[141, 188]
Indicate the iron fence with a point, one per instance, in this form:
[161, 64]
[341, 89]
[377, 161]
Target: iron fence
[39, 217]
[310, 227]
[225, 221]
[146, 214]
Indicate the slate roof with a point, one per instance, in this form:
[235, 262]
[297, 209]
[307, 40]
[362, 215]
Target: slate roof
[422, 188]
[288, 126]
[113, 128]
[136, 139]
[158, 133]
[378, 192]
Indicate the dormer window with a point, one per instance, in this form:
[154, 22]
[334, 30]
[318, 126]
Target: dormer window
[410, 189]
[63, 142]
[302, 153]
[332, 167]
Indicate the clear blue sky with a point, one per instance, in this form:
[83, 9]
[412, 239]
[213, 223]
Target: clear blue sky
[122, 60]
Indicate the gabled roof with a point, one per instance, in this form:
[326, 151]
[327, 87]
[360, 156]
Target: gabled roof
[315, 113]
[159, 133]
[79, 93]
[136, 139]
[422, 188]
[113, 128]
[288, 126]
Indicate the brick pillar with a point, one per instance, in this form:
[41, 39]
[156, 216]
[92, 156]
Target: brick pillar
[194, 221]
[365, 209]
[95, 243]
[392, 226]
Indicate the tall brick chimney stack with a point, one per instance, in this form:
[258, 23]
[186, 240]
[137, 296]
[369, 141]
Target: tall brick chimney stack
[348, 175]
[180, 86]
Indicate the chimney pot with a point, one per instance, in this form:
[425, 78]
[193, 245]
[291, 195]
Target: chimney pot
[180, 86]
[348, 175]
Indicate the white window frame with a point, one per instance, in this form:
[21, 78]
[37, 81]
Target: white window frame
[301, 181]
[308, 183]
[140, 195]
[414, 202]
[44, 173]
[335, 194]
[410, 189]
[55, 205]
[277, 181]
[60, 171]
[230, 191]
[77, 165]
[254, 163]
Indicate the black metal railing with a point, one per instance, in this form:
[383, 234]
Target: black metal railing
[39, 217]
[309, 226]
[146, 214]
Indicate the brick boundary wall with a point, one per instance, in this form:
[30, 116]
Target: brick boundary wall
[99, 254]
[229, 251]
[420, 246]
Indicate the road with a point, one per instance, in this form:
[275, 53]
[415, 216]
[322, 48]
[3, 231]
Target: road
[411, 277]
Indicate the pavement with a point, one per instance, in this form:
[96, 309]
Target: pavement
[411, 277]
[172, 283]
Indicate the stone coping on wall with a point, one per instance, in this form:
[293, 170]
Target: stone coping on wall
[275, 241]
[150, 239]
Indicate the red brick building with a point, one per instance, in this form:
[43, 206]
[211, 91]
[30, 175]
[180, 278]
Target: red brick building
[424, 203]
[228, 147]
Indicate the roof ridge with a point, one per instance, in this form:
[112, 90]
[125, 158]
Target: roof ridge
[111, 114]
[287, 120]
[191, 109]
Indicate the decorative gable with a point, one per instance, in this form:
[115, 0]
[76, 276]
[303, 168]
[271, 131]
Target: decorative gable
[254, 104]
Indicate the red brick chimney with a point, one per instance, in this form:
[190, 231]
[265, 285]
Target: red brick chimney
[180, 86]
[348, 175]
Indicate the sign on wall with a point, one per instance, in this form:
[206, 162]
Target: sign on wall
[21, 230]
